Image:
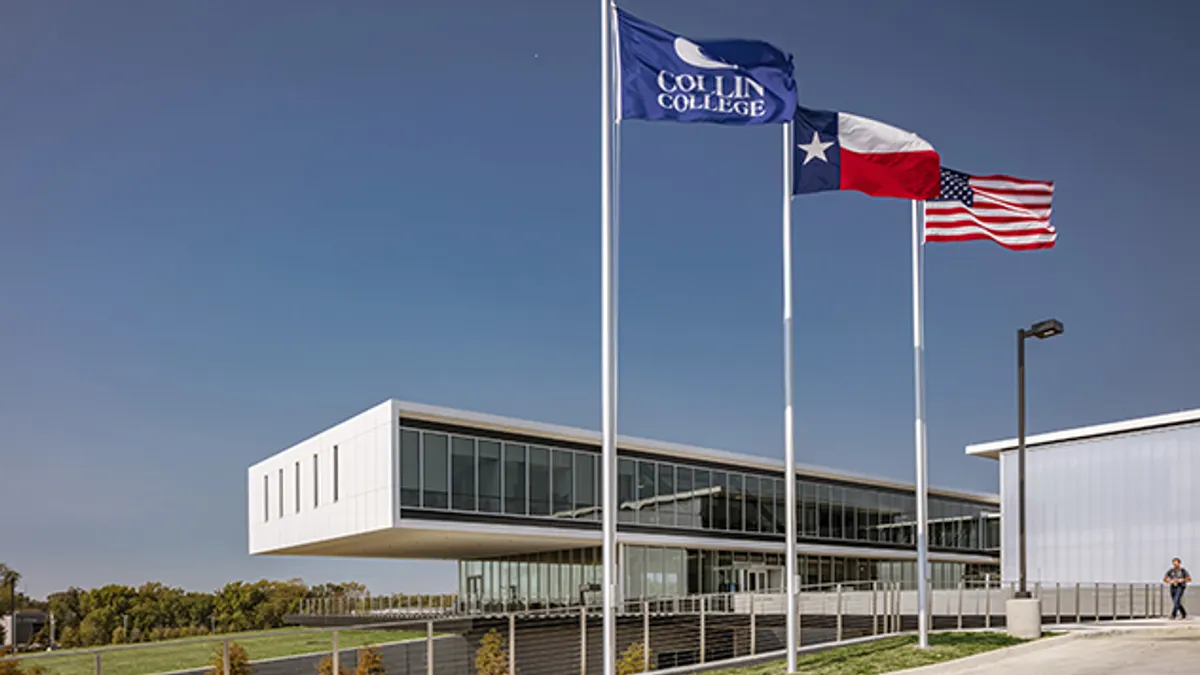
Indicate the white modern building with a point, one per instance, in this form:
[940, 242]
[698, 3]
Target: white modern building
[1106, 503]
[516, 504]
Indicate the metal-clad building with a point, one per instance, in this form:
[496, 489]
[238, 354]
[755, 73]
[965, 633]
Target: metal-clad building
[1107, 503]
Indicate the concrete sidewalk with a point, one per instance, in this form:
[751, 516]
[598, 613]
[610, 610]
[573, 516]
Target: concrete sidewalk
[1127, 648]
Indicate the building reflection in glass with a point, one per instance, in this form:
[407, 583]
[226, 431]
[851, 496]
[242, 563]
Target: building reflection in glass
[470, 474]
[558, 579]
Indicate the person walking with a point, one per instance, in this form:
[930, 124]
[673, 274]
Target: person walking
[1177, 578]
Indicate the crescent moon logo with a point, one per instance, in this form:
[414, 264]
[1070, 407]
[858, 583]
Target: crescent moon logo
[690, 53]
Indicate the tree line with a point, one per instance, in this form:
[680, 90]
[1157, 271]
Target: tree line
[117, 614]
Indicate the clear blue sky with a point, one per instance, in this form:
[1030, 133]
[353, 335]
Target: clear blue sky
[225, 226]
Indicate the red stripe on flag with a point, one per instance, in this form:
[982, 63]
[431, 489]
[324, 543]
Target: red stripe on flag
[1013, 212]
[903, 175]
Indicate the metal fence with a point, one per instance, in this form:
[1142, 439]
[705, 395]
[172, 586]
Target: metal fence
[651, 634]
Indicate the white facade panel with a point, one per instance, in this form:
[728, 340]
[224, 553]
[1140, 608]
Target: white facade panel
[1111, 509]
[358, 453]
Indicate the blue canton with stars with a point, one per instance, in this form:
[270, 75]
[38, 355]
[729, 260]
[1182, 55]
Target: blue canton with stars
[817, 157]
[956, 187]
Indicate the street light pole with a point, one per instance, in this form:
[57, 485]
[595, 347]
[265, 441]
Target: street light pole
[1040, 330]
[1023, 592]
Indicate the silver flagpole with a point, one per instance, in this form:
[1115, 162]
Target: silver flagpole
[789, 448]
[918, 293]
[608, 403]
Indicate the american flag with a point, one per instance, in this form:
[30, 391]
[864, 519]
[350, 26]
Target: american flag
[1012, 212]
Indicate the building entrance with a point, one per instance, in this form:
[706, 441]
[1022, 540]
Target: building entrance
[753, 578]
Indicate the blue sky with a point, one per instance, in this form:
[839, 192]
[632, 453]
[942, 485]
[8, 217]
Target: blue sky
[225, 226]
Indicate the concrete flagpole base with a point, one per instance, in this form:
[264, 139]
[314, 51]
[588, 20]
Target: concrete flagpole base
[1023, 618]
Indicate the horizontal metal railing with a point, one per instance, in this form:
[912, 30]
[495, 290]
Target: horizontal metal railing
[664, 632]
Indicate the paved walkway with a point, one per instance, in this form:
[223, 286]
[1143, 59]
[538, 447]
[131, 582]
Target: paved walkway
[1158, 647]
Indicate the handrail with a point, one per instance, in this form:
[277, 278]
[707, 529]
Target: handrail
[1091, 601]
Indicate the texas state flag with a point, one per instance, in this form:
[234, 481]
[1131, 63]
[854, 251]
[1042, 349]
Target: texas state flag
[840, 151]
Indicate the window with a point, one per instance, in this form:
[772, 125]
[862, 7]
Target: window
[781, 508]
[752, 504]
[824, 517]
[462, 473]
[410, 468]
[563, 492]
[648, 510]
[735, 502]
[335, 473]
[703, 499]
[435, 468]
[585, 485]
[626, 489]
[719, 501]
[489, 476]
[666, 495]
[850, 513]
[539, 481]
[281, 492]
[316, 481]
[266, 499]
[685, 506]
[515, 496]
[812, 514]
[297, 487]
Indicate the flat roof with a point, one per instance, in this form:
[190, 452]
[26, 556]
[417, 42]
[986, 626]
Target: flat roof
[483, 421]
[992, 449]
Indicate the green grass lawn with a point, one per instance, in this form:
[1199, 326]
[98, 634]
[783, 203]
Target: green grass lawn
[887, 655]
[168, 656]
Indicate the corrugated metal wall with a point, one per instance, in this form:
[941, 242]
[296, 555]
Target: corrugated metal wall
[1113, 509]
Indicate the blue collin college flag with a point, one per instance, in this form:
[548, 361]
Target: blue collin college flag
[664, 76]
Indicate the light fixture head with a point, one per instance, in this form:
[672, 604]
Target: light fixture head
[1045, 329]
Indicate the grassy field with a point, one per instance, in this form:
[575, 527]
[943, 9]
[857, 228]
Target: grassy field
[168, 656]
[888, 655]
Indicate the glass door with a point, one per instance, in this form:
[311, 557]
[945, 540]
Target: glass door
[753, 579]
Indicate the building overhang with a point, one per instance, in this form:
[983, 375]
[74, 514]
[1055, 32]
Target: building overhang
[453, 540]
[993, 449]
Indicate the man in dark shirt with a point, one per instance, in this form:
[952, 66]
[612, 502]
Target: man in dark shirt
[1178, 578]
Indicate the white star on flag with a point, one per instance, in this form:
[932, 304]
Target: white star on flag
[814, 149]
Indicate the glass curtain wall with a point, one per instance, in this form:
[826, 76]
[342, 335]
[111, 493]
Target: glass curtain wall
[472, 474]
[559, 579]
